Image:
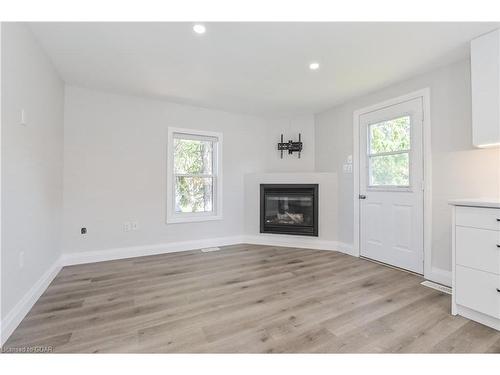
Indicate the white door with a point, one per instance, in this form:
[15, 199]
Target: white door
[391, 185]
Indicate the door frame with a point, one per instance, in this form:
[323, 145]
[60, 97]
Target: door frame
[427, 171]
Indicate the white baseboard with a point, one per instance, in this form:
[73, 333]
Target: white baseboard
[83, 257]
[69, 259]
[298, 241]
[478, 317]
[439, 276]
[17, 314]
[347, 248]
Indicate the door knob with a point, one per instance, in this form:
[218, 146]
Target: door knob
[361, 196]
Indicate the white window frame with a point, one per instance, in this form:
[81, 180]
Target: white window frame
[185, 217]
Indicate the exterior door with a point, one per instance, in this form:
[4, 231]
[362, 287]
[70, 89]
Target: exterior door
[391, 185]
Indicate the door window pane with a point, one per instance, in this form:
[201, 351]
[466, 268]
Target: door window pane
[389, 136]
[193, 194]
[389, 170]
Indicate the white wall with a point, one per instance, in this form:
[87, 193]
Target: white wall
[32, 163]
[458, 169]
[115, 167]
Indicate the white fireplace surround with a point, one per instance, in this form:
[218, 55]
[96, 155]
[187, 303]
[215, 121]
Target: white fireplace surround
[327, 215]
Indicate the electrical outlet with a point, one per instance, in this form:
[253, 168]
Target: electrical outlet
[349, 159]
[135, 225]
[127, 227]
[347, 168]
[21, 259]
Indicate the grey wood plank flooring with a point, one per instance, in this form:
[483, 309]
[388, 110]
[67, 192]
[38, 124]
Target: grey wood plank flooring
[246, 299]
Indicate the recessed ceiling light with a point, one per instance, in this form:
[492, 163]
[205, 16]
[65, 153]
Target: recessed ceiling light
[199, 29]
[314, 66]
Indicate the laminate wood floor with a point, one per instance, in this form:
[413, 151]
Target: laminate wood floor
[247, 299]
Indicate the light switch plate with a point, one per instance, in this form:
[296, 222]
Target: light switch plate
[23, 122]
[21, 259]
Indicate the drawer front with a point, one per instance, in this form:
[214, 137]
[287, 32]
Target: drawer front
[478, 248]
[477, 290]
[476, 217]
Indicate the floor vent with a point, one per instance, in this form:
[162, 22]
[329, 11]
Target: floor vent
[210, 249]
[441, 288]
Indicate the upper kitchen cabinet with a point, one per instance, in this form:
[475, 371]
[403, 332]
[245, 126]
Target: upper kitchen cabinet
[485, 75]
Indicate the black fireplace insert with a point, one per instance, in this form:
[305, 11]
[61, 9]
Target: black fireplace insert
[289, 209]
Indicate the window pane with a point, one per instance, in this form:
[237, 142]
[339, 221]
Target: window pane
[389, 170]
[193, 194]
[192, 156]
[392, 135]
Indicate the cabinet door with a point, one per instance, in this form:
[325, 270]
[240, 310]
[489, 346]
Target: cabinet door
[485, 82]
[478, 248]
[478, 290]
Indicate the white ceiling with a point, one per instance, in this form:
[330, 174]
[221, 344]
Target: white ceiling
[259, 68]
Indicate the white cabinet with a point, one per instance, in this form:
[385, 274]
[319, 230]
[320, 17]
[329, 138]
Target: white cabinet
[476, 262]
[486, 256]
[477, 290]
[485, 82]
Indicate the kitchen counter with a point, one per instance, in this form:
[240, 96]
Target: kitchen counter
[477, 202]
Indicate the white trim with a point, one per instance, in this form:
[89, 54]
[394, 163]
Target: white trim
[83, 257]
[193, 218]
[453, 261]
[439, 276]
[478, 317]
[429, 273]
[17, 314]
[1, 195]
[301, 242]
[171, 217]
[21, 309]
[70, 259]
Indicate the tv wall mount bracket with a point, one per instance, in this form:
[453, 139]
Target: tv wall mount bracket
[290, 146]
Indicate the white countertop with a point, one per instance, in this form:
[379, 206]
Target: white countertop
[477, 202]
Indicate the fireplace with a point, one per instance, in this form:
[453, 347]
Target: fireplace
[289, 209]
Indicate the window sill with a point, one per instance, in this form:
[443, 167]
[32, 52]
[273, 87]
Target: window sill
[192, 219]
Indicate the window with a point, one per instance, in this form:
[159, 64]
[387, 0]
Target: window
[194, 188]
[389, 153]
